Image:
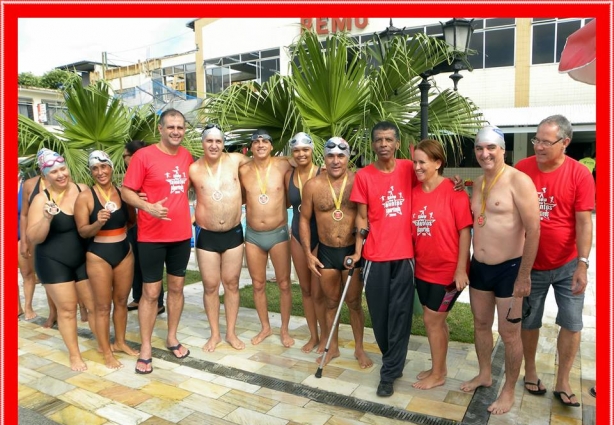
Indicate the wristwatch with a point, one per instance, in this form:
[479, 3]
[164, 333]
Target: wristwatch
[584, 260]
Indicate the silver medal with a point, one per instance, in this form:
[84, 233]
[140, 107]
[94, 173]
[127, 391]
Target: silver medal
[52, 208]
[110, 206]
[263, 199]
[217, 195]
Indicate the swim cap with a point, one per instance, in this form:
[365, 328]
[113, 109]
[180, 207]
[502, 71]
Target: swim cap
[301, 140]
[212, 128]
[39, 157]
[99, 157]
[261, 132]
[337, 145]
[49, 161]
[490, 134]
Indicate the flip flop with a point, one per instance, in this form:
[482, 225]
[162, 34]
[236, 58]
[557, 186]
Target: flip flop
[558, 395]
[593, 392]
[538, 391]
[177, 348]
[144, 361]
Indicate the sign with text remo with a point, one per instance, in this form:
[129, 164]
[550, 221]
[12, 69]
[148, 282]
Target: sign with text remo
[324, 26]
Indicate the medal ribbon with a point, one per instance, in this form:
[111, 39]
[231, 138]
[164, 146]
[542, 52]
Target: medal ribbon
[263, 187]
[106, 196]
[300, 183]
[336, 200]
[485, 195]
[218, 174]
[60, 196]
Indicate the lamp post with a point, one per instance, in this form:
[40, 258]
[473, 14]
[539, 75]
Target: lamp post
[457, 34]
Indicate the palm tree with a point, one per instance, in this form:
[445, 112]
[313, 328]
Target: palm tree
[94, 119]
[343, 90]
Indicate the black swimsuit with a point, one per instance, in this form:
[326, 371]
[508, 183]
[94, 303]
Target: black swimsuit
[61, 256]
[295, 200]
[112, 252]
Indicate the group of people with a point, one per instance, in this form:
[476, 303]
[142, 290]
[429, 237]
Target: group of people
[405, 226]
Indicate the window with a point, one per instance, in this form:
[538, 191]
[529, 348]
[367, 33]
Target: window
[549, 37]
[54, 110]
[25, 108]
[181, 79]
[257, 66]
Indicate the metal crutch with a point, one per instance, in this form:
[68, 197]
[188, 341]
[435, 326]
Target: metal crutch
[332, 330]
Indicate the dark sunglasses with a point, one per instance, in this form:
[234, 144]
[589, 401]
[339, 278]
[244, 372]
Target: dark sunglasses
[525, 314]
[210, 126]
[332, 145]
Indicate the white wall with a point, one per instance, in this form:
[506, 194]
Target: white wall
[549, 87]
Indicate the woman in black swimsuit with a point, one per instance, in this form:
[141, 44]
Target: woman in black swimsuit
[59, 257]
[301, 146]
[102, 217]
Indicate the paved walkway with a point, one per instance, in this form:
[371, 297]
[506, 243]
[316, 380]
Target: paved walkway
[269, 384]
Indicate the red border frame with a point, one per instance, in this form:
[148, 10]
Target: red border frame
[12, 10]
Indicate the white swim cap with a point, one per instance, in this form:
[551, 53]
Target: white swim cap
[99, 157]
[301, 140]
[490, 134]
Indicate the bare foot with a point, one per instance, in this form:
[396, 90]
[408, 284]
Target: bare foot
[111, 362]
[321, 346]
[329, 356]
[308, 348]
[286, 340]
[50, 322]
[20, 312]
[123, 347]
[503, 404]
[265, 333]
[212, 343]
[83, 313]
[235, 342]
[77, 364]
[478, 381]
[363, 360]
[30, 314]
[429, 382]
[424, 374]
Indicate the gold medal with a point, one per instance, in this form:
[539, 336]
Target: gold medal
[337, 213]
[482, 217]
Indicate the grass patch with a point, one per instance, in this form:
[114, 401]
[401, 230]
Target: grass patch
[191, 276]
[460, 319]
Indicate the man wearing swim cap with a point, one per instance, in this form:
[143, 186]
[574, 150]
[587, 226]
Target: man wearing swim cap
[267, 230]
[219, 244]
[327, 198]
[566, 193]
[505, 208]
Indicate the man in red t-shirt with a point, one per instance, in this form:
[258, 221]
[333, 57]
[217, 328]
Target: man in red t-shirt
[382, 191]
[164, 228]
[566, 192]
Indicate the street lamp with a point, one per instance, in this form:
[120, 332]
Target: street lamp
[457, 34]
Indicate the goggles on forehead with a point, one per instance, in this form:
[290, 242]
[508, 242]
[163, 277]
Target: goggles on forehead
[261, 136]
[210, 126]
[50, 162]
[343, 145]
[301, 139]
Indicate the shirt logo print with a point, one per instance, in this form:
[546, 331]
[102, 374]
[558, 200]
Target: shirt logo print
[392, 203]
[546, 205]
[177, 182]
[423, 222]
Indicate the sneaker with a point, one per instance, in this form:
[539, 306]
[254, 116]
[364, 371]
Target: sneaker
[385, 389]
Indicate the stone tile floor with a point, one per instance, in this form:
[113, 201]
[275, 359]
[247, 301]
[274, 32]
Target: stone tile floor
[194, 391]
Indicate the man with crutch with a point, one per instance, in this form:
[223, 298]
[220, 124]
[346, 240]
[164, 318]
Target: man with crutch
[327, 197]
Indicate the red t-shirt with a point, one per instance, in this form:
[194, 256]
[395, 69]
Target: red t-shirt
[160, 176]
[437, 217]
[562, 192]
[388, 200]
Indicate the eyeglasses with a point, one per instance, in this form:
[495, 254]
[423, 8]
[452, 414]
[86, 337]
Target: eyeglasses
[210, 126]
[544, 143]
[52, 161]
[332, 145]
[525, 314]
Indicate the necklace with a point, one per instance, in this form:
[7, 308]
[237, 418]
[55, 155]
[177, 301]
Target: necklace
[337, 213]
[109, 205]
[263, 198]
[300, 184]
[217, 193]
[482, 217]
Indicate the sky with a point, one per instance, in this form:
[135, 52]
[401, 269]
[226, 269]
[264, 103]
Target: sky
[45, 43]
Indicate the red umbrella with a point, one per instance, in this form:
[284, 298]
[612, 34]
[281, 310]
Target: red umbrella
[579, 54]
